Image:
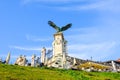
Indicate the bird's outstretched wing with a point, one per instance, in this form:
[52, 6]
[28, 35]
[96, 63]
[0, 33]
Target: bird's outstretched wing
[53, 25]
[66, 27]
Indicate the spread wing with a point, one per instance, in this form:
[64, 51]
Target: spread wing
[66, 27]
[53, 25]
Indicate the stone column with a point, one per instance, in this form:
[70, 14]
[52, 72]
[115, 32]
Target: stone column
[64, 61]
[0, 60]
[8, 58]
[74, 61]
[46, 60]
[114, 67]
[58, 44]
[33, 62]
[43, 54]
[37, 62]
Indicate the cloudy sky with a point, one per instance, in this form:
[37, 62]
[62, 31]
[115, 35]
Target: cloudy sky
[95, 27]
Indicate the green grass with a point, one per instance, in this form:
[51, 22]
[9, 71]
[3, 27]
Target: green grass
[14, 72]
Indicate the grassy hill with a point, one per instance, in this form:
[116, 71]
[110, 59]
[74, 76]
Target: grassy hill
[14, 72]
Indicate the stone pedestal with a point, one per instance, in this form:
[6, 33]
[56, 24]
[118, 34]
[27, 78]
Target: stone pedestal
[59, 51]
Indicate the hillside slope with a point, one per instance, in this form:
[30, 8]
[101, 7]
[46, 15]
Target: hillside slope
[13, 72]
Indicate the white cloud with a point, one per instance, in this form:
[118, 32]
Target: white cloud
[98, 51]
[78, 5]
[96, 47]
[101, 5]
[28, 48]
[35, 38]
[58, 1]
[93, 5]
[99, 42]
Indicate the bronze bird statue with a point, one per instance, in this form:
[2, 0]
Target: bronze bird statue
[58, 29]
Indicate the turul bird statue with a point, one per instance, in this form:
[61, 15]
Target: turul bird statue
[59, 29]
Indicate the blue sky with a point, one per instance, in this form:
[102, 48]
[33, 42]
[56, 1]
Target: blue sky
[95, 30]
